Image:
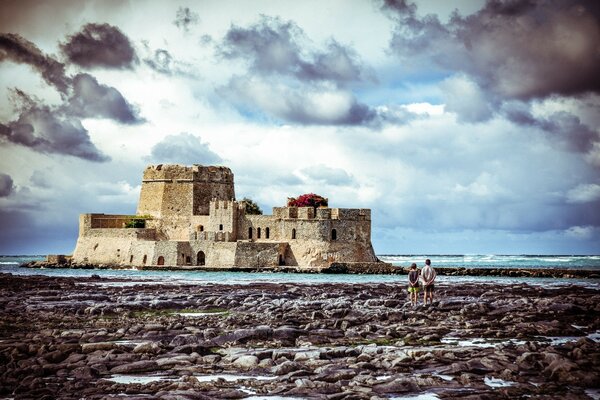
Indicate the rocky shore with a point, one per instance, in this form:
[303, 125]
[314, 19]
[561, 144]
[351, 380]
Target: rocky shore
[98, 338]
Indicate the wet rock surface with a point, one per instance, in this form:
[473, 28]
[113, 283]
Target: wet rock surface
[99, 338]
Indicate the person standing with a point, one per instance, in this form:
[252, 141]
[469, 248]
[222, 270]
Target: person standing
[413, 284]
[428, 277]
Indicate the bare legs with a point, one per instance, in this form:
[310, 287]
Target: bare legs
[414, 297]
[427, 294]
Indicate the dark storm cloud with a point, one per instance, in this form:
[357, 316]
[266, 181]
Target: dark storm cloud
[514, 49]
[93, 100]
[15, 48]
[183, 148]
[99, 45]
[46, 130]
[563, 127]
[185, 18]
[6, 184]
[59, 129]
[274, 46]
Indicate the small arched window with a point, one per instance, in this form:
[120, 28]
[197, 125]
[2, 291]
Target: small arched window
[333, 234]
[221, 227]
[160, 261]
[294, 233]
[267, 233]
[201, 228]
[144, 259]
[258, 233]
[131, 259]
[250, 233]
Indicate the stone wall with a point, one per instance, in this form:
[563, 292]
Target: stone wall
[183, 191]
[259, 255]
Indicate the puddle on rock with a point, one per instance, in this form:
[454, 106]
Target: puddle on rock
[422, 396]
[443, 377]
[143, 379]
[200, 314]
[593, 394]
[496, 382]
[480, 342]
[231, 377]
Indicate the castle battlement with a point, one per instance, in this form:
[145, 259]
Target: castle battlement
[180, 174]
[190, 217]
[323, 213]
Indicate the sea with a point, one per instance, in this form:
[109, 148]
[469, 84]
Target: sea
[11, 264]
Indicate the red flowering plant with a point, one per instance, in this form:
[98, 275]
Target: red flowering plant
[308, 200]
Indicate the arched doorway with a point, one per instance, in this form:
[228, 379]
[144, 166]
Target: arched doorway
[201, 258]
[160, 261]
[333, 234]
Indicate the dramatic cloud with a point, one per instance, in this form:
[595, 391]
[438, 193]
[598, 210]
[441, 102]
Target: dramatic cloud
[563, 127]
[48, 131]
[522, 50]
[58, 129]
[306, 105]
[6, 185]
[183, 149]
[15, 48]
[273, 46]
[93, 100]
[185, 18]
[99, 45]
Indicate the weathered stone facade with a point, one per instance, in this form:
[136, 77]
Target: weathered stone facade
[191, 218]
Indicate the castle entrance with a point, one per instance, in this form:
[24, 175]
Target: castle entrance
[161, 261]
[201, 258]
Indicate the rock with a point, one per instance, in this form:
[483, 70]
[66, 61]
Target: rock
[169, 362]
[135, 367]
[85, 373]
[246, 363]
[285, 368]
[103, 346]
[181, 340]
[245, 335]
[147, 348]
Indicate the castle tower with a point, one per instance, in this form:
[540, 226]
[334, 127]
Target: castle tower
[177, 190]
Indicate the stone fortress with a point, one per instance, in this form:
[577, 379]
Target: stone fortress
[188, 218]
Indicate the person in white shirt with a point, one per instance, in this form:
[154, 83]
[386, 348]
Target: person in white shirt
[428, 278]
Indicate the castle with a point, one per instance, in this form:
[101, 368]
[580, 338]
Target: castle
[187, 217]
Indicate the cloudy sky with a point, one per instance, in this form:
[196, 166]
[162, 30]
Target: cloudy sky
[473, 129]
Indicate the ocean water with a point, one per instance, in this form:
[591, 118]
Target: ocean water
[10, 264]
[499, 261]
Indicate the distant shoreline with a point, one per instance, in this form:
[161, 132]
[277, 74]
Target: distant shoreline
[385, 269]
